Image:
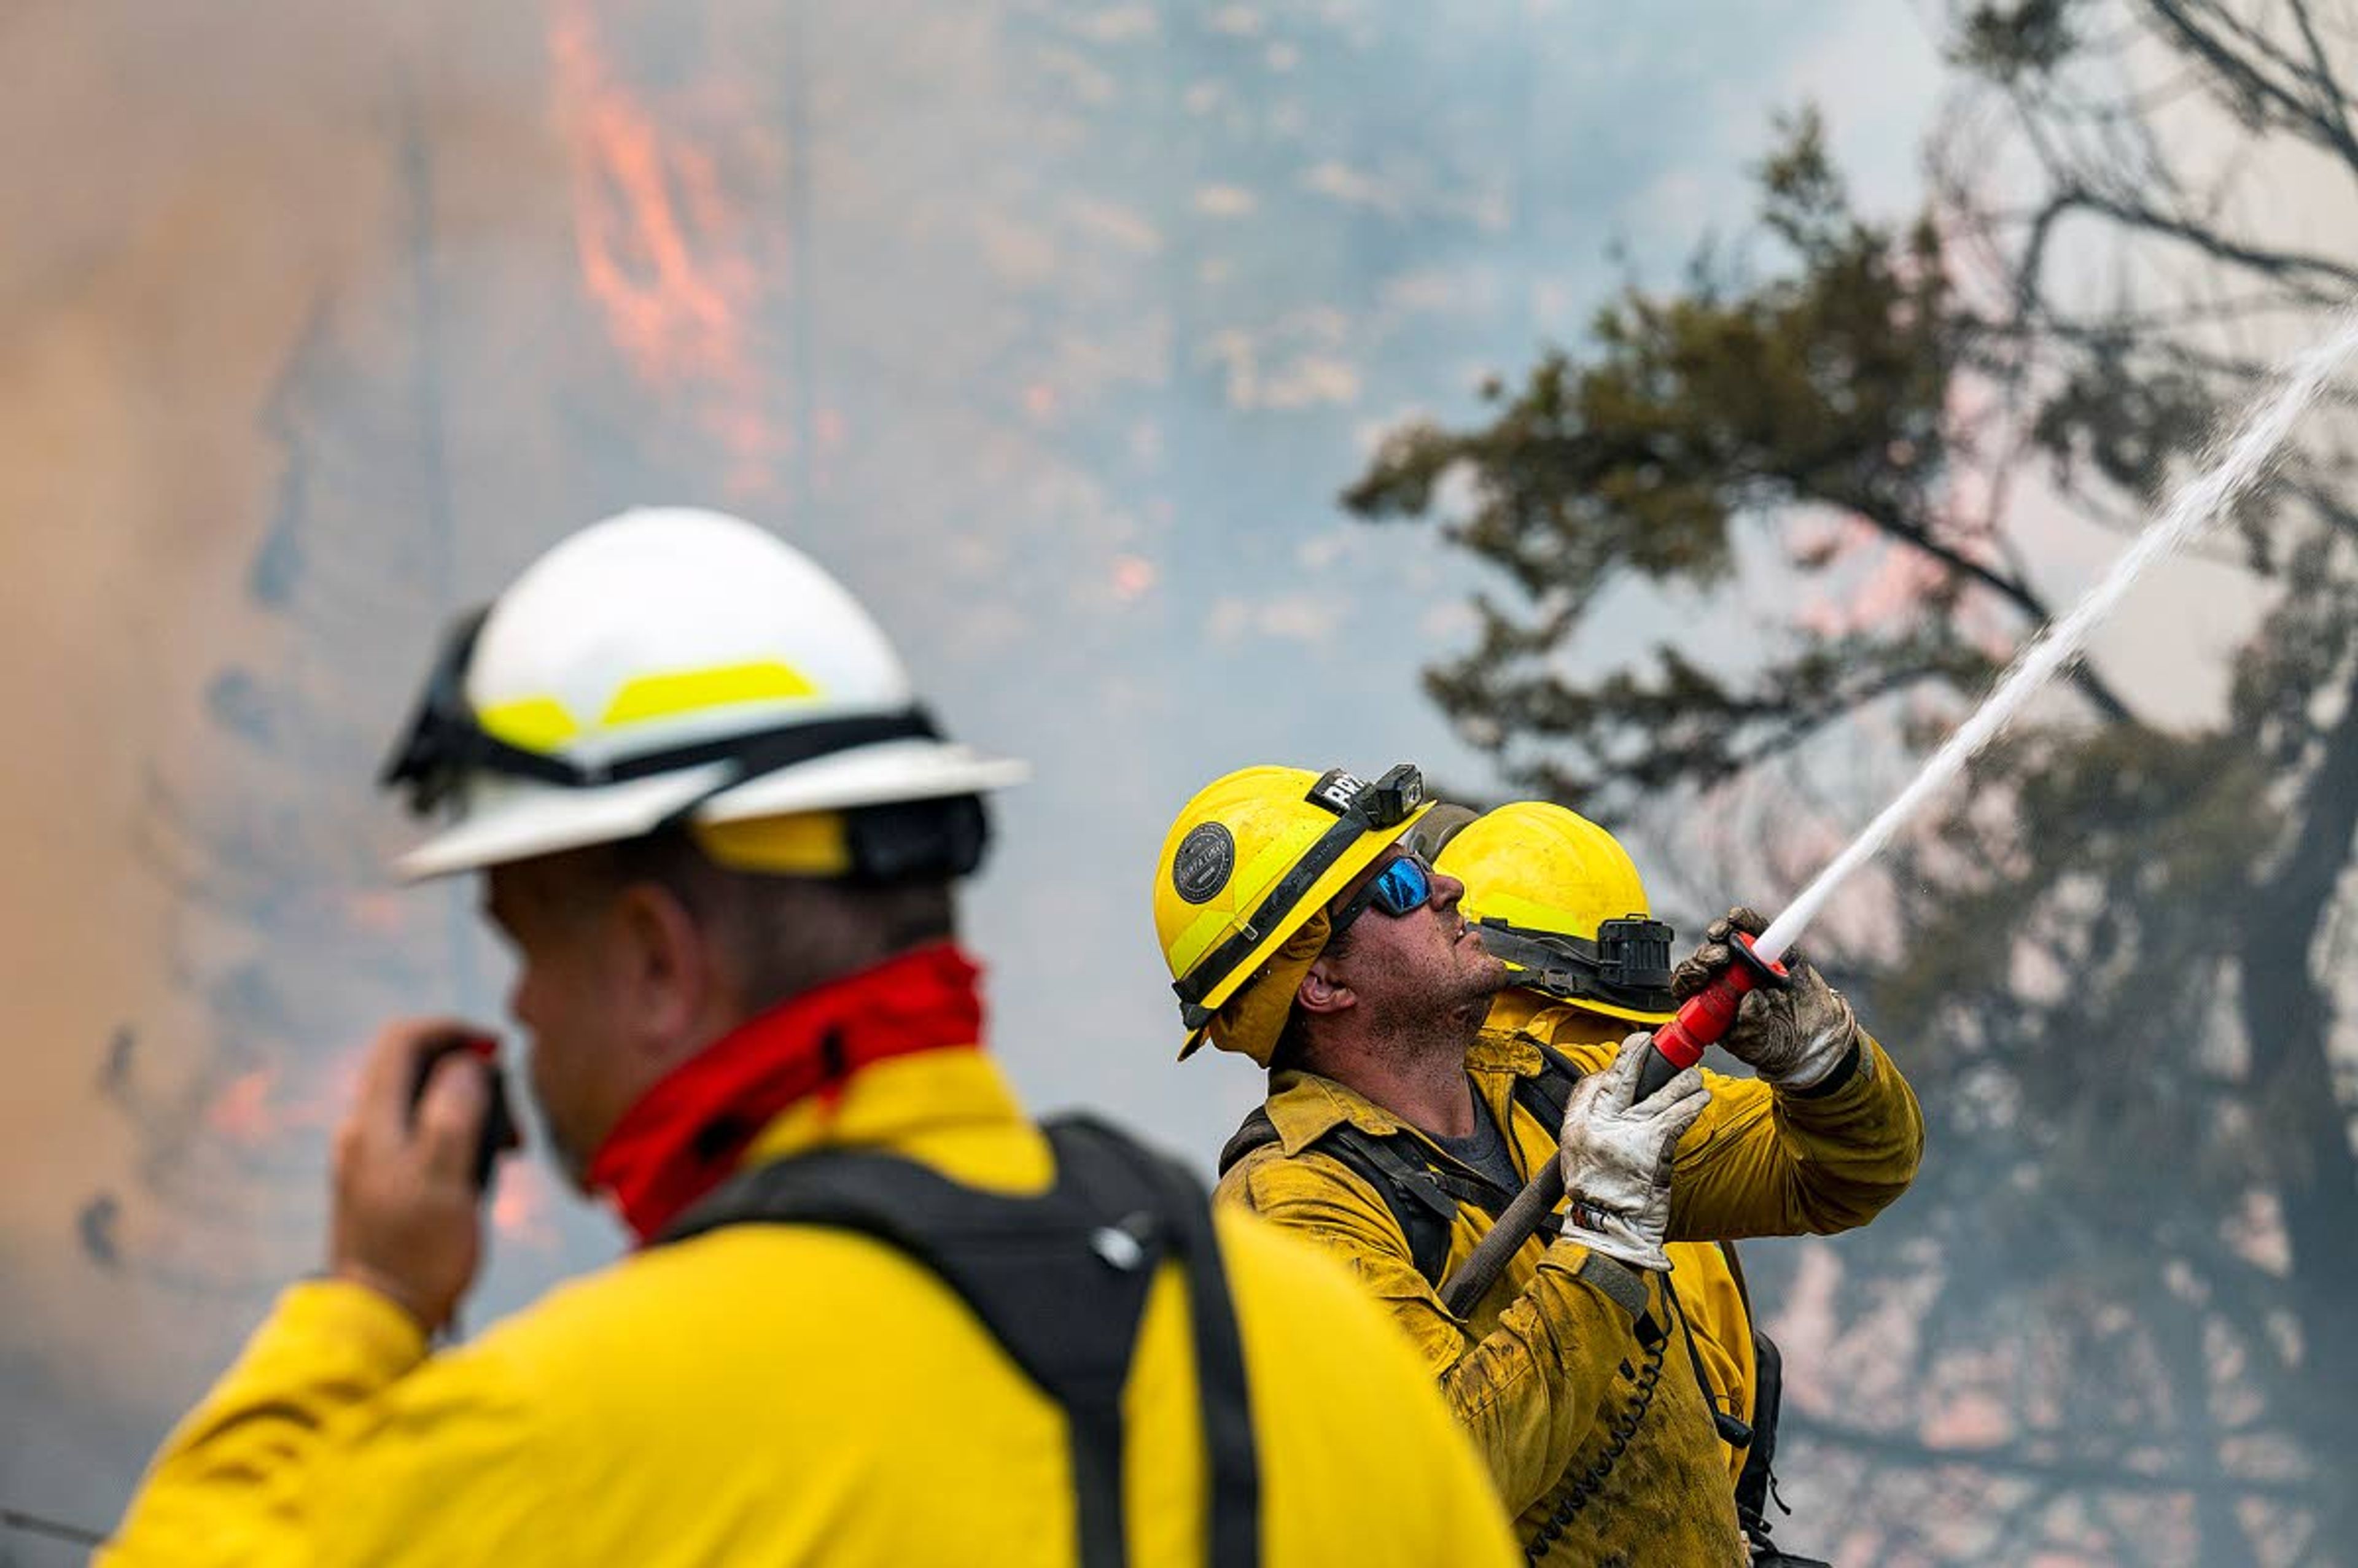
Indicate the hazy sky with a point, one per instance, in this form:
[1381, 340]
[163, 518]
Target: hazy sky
[1053, 327]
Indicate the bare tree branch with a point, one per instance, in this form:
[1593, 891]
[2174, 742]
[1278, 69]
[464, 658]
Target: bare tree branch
[2028, 1460]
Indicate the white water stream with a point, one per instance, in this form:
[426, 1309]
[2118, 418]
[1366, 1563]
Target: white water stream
[2242, 459]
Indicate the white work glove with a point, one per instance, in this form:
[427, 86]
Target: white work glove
[1793, 1036]
[1617, 1156]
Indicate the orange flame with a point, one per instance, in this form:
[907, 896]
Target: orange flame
[259, 1106]
[661, 252]
[241, 1112]
[1133, 576]
[522, 1207]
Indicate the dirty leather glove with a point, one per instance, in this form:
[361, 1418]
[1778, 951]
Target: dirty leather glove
[1617, 1156]
[1794, 1037]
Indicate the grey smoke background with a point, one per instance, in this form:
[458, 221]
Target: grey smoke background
[1053, 327]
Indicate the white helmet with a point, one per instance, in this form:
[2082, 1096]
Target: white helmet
[665, 666]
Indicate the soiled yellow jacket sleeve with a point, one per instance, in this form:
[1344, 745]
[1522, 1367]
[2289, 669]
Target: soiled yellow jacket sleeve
[1759, 1163]
[1528, 1392]
[806, 1393]
[317, 1446]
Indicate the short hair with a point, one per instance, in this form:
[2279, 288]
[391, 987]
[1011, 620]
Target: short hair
[782, 934]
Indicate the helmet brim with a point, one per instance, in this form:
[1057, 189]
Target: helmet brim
[509, 821]
[872, 775]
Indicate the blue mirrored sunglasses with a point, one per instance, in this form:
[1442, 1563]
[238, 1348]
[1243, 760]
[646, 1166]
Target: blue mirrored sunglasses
[1401, 888]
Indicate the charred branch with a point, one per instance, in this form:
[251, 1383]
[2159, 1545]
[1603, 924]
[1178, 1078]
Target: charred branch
[2033, 1462]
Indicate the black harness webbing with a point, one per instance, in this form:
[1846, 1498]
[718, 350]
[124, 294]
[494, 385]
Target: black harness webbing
[1425, 1199]
[1061, 1282]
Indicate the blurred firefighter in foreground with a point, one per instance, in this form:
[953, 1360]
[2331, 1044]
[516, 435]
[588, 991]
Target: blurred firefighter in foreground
[874, 1314]
[1416, 1081]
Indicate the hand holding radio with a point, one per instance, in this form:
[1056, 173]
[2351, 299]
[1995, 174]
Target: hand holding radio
[412, 1160]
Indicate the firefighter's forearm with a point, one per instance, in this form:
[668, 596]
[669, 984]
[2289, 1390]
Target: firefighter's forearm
[1766, 1162]
[1853, 1150]
[1529, 1392]
[232, 1474]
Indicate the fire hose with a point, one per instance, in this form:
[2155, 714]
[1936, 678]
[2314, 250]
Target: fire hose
[1679, 1044]
[2240, 458]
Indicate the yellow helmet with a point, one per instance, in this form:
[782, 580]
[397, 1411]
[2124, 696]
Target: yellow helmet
[1251, 861]
[1560, 901]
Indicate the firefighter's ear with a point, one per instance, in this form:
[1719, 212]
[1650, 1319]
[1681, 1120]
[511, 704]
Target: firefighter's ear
[1320, 991]
[664, 968]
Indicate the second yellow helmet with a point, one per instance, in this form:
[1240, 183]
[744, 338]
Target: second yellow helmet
[1570, 904]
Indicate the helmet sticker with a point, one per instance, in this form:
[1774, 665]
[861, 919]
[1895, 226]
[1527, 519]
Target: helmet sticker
[1335, 790]
[1205, 858]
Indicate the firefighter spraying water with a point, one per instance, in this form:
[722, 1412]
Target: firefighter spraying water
[1402, 1119]
[1705, 1017]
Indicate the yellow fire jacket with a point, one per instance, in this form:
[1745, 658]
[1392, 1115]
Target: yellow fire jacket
[1546, 1365]
[789, 1394]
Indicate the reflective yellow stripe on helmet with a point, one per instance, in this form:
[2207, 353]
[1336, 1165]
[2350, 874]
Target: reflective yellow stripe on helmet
[545, 723]
[534, 723]
[692, 691]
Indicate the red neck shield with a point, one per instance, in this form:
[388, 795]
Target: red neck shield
[688, 1133]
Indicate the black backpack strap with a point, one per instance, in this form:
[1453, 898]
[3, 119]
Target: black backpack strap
[1397, 1169]
[1755, 1485]
[1769, 1387]
[1547, 1094]
[1258, 1132]
[1733, 1429]
[1422, 1198]
[1401, 1177]
[1231, 1457]
[1060, 1280]
[1768, 1394]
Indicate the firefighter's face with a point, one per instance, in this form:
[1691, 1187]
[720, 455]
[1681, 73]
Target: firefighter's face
[612, 991]
[1426, 966]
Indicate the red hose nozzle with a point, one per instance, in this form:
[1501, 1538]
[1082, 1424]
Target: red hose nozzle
[1707, 1015]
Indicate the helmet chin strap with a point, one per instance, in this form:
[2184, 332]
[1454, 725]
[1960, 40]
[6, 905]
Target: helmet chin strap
[1575, 970]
